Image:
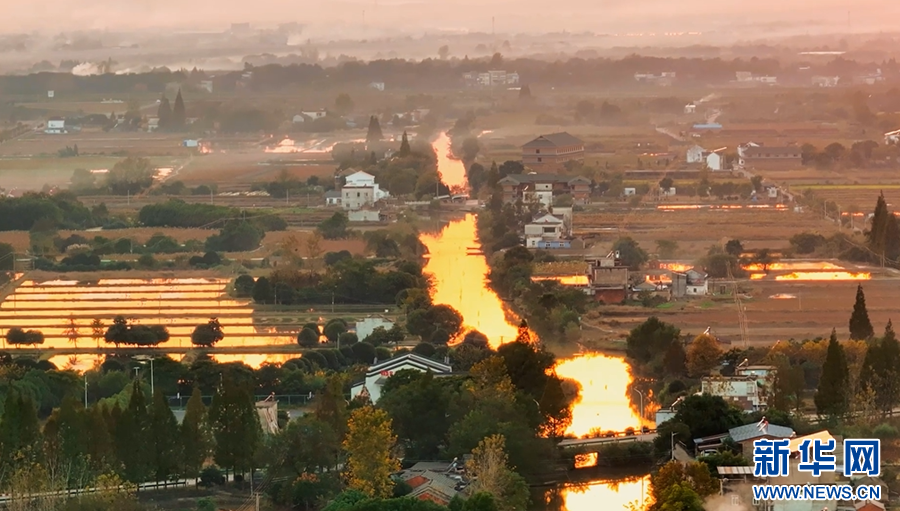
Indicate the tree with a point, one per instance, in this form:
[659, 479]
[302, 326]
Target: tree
[404, 146]
[649, 339]
[860, 326]
[130, 176]
[831, 395]
[20, 431]
[374, 134]
[207, 334]
[334, 227]
[308, 338]
[525, 92]
[703, 355]
[343, 105]
[262, 291]
[883, 236]
[490, 473]
[97, 330]
[131, 433]
[235, 426]
[71, 331]
[444, 52]
[369, 445]
[666, 249]
[677, 487]
[163, 437]
[194, 437]
[734, 248]
[704, 415]
[630, 253]
[243, 286]
[331, 408]
[334, 329]
[178, 113]
[666, 183]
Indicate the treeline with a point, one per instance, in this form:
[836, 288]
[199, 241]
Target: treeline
[442, 74]
[177, 213]
[58, 211]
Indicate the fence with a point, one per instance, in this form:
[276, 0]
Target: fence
[288, 400]
[6, 499]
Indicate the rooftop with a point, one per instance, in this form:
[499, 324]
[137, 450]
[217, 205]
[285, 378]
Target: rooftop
[772, 151]
[752, 431]
[543, 178]
[554, 140]
[735, 471]
[412, 359]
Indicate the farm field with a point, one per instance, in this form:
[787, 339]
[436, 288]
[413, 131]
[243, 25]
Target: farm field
[696, 230]
[775, 310]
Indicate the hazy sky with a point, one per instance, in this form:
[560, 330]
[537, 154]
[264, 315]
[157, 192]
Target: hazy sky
[429, 15]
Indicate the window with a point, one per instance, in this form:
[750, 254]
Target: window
[357, 194]
[539, 160]
[537, 151]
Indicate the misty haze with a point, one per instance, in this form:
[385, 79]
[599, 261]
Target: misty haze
[449, 255]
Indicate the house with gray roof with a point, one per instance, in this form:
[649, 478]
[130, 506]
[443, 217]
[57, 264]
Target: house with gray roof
[748, 433]
[552, 151]
[542, 188]
[379, 372]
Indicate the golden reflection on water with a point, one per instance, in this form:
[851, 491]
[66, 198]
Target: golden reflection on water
[604, 402]
[460, 281]
[606, 496]
[453, 172]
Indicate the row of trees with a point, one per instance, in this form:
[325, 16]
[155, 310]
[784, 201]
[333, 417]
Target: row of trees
[126, 436]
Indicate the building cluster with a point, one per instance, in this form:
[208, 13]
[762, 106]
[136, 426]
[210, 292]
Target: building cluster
[746, 77]
[713, 160]
[493, 78]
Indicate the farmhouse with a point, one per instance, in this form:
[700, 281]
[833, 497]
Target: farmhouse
[754, 156]
[697, 283]
[552, 151]
[546, 231]
[365, 327]
[379, 373]
[333, 198]
[608, 279]
[542, 188]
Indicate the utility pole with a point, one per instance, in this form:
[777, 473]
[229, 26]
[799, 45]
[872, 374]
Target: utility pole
[85, 390]
[332, 302]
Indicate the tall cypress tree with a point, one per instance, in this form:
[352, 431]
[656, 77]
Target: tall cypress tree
[178, 113]
[860, 326]
[131, 436]
[831, 395]
[889, 389]
[876, 235]
[100, 449]
[163, 438]
[20, 433]
[194, 439]
[404, 146]
[374, 134]
[235, 426]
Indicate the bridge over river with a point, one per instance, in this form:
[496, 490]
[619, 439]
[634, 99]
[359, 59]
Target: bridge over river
[575, 443]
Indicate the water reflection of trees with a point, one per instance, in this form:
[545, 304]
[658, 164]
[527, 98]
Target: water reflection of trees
[554, 499]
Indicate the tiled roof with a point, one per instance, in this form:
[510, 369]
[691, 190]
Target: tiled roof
[554, 140]
[751, 432]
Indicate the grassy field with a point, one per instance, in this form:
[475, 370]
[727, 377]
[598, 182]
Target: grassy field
[33, 173]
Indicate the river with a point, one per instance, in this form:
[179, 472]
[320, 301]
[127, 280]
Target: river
[460, 280]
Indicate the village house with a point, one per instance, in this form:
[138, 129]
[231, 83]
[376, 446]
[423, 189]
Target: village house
[754, 156]
[892, 137]
[333, 198]
[748, 433]
[360, 190]
[690, 108]
[607, 279]
[714, 160]
[435, 481]
[366, 326]
[379, 86]
[825, 81]
[546, 231]
[379, 373]
[543, 188]
[695, 154]
[552, 151]
[741, 391]
[697, 282]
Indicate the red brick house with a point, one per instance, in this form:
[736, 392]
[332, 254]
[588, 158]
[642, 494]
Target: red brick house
[552, 151]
